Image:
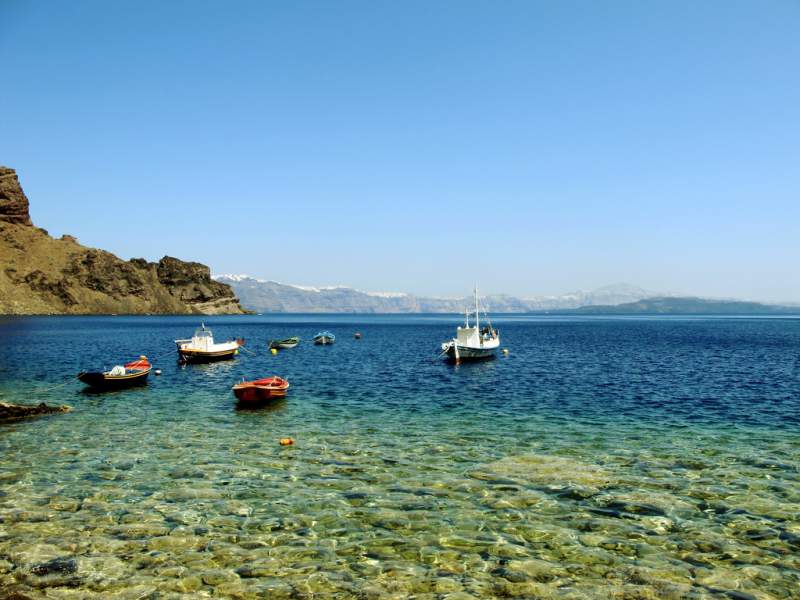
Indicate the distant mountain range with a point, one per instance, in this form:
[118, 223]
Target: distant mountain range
[688, 306]
[263, 296]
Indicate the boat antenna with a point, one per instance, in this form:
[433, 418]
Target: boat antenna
[486, 312]
[477, 313]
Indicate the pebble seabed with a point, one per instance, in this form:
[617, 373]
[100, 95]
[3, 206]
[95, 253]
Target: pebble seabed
[151, 493]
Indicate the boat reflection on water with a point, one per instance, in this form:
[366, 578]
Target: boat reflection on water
[244, 408]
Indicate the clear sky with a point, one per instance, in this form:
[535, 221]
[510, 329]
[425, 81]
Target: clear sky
[538, 147]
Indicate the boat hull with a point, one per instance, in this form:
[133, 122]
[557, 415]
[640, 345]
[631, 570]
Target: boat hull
[470, 353]
[283, 344]
[200, 356]
[324, 340]
[256, 392]
[101, 381]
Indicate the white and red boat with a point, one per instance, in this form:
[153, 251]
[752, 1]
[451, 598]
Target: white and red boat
[261, 390]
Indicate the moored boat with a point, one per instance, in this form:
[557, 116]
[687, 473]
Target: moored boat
[473, 343]
[121, 376]
[202, 348]
[261, 390]
[324, 338]
[286, 343]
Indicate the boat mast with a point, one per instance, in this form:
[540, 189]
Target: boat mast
[477, 316]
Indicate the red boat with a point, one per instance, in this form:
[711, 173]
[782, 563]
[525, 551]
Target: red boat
[261, 390]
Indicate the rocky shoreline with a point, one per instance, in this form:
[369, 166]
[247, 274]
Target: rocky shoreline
[15, 412]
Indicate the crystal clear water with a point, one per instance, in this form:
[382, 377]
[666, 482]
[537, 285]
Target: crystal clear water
[625, 458]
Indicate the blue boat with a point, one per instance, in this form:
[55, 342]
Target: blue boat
[324, 337]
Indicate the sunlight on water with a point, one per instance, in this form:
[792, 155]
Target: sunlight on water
[601, 458]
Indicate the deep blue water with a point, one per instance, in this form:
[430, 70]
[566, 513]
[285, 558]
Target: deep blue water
[519, 476]
[675, 370]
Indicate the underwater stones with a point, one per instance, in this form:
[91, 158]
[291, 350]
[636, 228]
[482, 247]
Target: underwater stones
[521, 589]
[187, 473]
[177, 543]
[269, 567]
[64, 504]
[658, 525]
[184, 517]
[236, 508]
[389, 521]
[29, 554]
[140, 530]
[237, 590]
[218, 576]
[103, 567]
[172, 571]
[538, 570]
[223, 523]
[5, 566]
[189, 584]
[58, 572]
[545, 470]
[57, 566]
[459, 543]
[185, 494]
[512, 575]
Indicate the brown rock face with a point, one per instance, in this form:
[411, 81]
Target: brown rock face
[39, 274]
[191, 281]
[13, 202]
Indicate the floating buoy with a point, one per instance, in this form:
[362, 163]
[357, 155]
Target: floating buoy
[157, 371]
[357, 335]
[505, 351]
[274, 351]
[286, 442]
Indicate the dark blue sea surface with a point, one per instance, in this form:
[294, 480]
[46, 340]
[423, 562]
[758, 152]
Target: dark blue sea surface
[626, 457]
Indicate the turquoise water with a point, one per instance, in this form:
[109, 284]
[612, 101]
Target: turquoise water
[628, 458]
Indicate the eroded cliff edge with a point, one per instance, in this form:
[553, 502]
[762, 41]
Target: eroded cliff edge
[43, 275]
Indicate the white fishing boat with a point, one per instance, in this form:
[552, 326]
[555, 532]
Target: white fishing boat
[473, 343]
[202, 348]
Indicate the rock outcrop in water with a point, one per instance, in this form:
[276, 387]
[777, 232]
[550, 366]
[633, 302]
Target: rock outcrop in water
[13, 412]
[43, 275]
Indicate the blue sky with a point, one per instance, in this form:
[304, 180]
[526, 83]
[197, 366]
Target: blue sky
[538, 147]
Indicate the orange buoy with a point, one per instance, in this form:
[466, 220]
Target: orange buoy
[286, 441]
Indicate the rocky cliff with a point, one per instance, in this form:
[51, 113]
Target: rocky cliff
[42, 275]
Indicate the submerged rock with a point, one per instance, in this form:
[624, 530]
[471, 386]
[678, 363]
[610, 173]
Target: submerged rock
[57, 566]
[555, 473]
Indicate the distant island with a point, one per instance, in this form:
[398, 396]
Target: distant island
[684, 306]
[43, 275]
[266, 296]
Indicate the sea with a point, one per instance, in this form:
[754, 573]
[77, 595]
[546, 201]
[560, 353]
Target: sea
[646, 457]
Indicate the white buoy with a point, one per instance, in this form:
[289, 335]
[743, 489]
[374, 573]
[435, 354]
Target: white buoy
[157, 371]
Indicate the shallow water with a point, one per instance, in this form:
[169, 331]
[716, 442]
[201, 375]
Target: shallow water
[630, 458]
